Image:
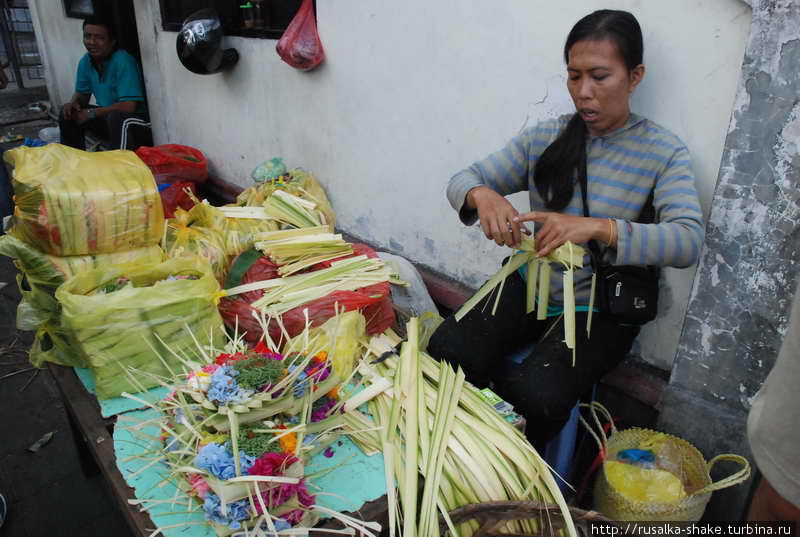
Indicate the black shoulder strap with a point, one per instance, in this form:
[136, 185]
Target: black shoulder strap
[594, 248]
[647, 216]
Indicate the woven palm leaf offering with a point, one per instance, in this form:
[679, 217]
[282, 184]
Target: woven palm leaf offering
[539, 271]
[70, 202]
[241, 425]
[434, 424]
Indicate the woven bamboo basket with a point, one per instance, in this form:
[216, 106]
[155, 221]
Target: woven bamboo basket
[693, 471]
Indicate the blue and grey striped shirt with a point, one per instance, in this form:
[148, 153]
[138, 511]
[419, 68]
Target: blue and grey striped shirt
[622, 167]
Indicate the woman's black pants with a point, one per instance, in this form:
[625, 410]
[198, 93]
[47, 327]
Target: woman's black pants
[546, 386]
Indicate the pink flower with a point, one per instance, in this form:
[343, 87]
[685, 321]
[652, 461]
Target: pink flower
[198, 485]
[210, 368]
[272, 464]
[277, 495]
[305, 498]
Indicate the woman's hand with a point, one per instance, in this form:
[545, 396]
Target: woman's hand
[497, 216]
[559, 228]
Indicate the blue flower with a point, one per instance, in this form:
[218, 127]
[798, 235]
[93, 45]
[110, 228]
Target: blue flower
[223, 387]
[280, 525]
[236, 511]
[241, 396]
[172, 445]
[218, 461]
[300, 387]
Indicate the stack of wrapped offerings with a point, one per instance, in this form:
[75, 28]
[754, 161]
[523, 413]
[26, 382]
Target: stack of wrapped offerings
[75, 211]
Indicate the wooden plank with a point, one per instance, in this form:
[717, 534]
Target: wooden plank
[97, 436]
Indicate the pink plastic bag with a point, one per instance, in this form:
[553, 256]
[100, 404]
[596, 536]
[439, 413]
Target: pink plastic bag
[300, 46]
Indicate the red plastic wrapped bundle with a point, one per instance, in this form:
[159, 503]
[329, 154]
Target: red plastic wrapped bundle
[171, 161]
[374, 302]
[175, 196]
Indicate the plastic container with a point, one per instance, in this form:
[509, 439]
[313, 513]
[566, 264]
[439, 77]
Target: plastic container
[50, 135]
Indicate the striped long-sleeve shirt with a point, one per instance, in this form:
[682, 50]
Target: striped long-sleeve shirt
[622, 169]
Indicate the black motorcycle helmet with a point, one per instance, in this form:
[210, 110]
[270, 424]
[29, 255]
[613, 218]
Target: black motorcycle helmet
[200, 44]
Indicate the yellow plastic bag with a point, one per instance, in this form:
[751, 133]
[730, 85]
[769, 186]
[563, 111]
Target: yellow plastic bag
[341, 337]
[650, 485]
[50, 271]
[130, 336]
[70, 202]
[297, 182]
[619, 499]
[191, 234]
[240, 233]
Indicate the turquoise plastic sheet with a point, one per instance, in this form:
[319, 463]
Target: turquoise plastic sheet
[354, 480]
[119, 405]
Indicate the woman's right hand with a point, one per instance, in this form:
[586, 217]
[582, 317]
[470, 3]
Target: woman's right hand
[496, 215]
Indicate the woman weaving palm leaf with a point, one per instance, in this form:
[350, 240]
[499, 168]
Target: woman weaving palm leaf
[628, 159]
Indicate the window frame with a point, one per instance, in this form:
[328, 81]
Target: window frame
[169, 25]
[73, 13]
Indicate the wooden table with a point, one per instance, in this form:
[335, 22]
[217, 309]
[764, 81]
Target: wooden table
[94, 436]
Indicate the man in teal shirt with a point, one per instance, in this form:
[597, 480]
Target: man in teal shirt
[113, 76]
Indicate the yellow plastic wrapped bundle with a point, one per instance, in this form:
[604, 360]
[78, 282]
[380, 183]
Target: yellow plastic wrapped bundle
[50, 271]
[41, 274]
[70, 202]
[206, 231]
[122, 317]
[297, 182]
[39, 311]
[190, 233]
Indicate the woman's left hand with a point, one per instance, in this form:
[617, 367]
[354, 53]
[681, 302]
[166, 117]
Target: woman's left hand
[559, 228]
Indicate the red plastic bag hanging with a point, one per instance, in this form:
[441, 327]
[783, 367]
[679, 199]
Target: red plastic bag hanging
[300, 46]
[171, 161]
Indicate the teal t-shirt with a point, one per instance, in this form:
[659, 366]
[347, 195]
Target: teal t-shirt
[121, 80]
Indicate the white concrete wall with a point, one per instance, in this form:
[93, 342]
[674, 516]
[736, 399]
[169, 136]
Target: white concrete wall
[413, 91]
[60, 41]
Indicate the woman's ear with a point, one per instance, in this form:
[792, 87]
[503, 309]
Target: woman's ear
[636, 76]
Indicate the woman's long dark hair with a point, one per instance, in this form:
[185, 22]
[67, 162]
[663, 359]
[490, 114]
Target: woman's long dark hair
[554, 169]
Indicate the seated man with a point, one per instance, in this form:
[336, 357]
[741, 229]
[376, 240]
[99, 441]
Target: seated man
[114, 78]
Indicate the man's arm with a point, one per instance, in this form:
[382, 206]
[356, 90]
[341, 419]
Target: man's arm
[78, 102]
[127, 107]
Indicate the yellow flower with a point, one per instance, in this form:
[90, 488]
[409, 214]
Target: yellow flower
[213, 438]
[288, 442]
